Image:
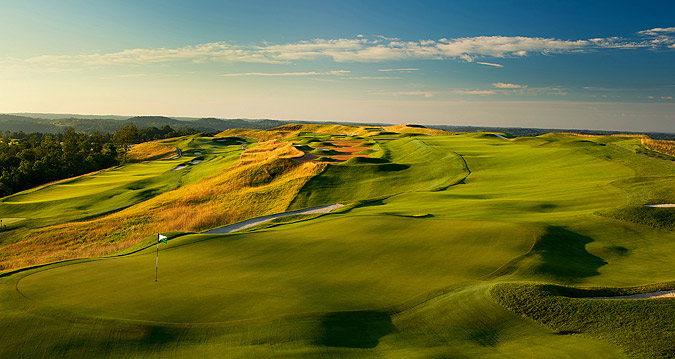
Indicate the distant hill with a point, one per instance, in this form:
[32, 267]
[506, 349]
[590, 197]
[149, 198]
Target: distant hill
[56, 123]
[16, 123]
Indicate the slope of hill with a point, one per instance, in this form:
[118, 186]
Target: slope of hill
[470, 245]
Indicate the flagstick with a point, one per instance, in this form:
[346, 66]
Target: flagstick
[157, 259]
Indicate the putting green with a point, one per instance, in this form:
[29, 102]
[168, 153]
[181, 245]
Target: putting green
[341, 264]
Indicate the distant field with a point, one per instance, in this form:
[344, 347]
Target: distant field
[448, 246]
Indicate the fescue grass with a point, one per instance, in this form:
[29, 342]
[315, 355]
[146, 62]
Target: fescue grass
[150, 151]
[663, 146]
[261, 183]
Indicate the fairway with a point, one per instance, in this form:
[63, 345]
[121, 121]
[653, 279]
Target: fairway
[448, 246]
[116, 188]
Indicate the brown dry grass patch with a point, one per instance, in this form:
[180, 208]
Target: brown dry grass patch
[663, 146]
[150, 151]
[263, 182]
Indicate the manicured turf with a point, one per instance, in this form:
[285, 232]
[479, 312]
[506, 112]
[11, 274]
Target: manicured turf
[116, 188]
[444, 258]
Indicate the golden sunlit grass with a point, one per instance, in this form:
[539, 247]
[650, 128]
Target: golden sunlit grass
[663, 146]
[413, 129]
[149, 151]
[263, 182]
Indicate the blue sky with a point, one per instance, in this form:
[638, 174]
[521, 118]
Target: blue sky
[561, 64]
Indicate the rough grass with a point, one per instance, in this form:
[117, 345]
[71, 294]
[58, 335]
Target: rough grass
[663, 146]
[263, 182]
[642, 328]
[150, 151]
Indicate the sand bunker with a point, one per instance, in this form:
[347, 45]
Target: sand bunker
[197, 153]
[255, 221]
[348, 150]
[180, 167]
[194, 162]
[661, 294]
[661, 205]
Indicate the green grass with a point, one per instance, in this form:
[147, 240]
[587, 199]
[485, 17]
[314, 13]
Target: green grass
[464, 246]
[405, 165]
[110, 190]
[642, 328]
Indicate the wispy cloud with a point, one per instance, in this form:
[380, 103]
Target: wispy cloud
[501, 85]
[309, 73]
[405, 93]
[359, 49]
[398, 70]
[372, 78]
[659, 37]
[489, 64]
[474, 92]
[658, 31]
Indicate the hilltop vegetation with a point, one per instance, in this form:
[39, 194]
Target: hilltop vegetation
[449, 245]
[33, 160]
[90, 124]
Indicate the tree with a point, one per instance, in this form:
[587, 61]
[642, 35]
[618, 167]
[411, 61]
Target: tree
[124, 137]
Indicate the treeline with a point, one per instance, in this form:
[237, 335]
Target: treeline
[31, 159]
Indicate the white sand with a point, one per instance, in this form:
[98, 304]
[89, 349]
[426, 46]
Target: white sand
[500, 136]
[661, 294]
[194, 162]
[198, 153]
[255, 221]
[661, 205]
[180, 167]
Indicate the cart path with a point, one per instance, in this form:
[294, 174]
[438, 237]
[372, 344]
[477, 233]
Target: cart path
[258, 220]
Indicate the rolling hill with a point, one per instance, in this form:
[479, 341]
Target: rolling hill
[450, 245]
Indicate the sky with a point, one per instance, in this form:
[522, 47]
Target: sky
[606, 65]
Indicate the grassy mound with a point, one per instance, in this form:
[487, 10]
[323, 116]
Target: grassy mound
[406, 165]
[151, 151]
[663, 218]
[642, 328]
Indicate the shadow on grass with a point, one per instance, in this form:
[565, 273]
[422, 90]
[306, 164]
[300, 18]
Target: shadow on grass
[361, 329]
[564, 255]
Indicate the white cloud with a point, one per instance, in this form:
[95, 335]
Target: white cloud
[373, 78]
[489, 64]
[359, 49]
[474, 92]
[310, 73]
[657, 31]
[406, 93]
[398, 70]
[501, 85]
[660, 37]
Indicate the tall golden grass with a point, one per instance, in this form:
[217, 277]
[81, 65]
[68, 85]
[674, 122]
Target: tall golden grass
[149, 151]
[407, 129]
[663, 146]
[264, 181]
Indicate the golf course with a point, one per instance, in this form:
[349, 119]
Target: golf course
[432, 244]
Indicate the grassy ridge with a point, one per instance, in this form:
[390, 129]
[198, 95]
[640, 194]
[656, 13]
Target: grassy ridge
[642, 328]
[404, 165]
[209, 197]
[421, 273]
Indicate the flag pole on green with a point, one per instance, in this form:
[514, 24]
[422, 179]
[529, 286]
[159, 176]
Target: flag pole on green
[160, 238]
